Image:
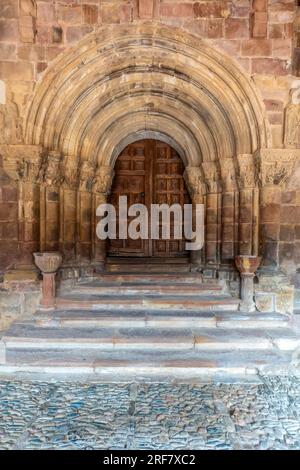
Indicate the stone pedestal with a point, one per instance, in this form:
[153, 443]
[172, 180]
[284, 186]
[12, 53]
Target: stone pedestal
[247, 266]
[49, 264]
[48, 290]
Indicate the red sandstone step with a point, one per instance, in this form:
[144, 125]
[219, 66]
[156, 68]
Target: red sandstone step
[165, 366]
[81, 302]
[152, 278]
[155, 268]
[175, 290]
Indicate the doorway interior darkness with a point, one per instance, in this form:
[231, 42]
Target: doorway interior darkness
[149, 172]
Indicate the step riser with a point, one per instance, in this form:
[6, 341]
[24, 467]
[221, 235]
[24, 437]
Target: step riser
[153, 278]
[125, 373]
[158, 323]
[107, 344]
[163, 269]
[98, 305]
[113, 291]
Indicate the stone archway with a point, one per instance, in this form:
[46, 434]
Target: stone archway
[146, 79]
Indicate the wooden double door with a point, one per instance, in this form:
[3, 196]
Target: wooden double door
[149, 172]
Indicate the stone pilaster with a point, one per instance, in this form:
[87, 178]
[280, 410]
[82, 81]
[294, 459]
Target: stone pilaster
[24, 166]
[275, 168]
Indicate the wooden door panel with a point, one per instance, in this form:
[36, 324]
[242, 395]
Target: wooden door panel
[149, 172]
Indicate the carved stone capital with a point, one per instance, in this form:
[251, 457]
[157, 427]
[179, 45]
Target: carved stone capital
[70, 172]
[103, 179]
[212, 177]
[22, 162]
[50, 172]
[247, 171]
[194, 179]
[228, 174]
[276, 165]
[86, 176]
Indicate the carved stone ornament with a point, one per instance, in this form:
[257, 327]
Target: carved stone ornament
[276, 165]
[28, 171]
[247, 172]
[70, 172]
[10, 121]
[86, 178]
[292, 118]
[212, 177]
[194, 177]
[228, 174]
[103, 179]
[50, 173]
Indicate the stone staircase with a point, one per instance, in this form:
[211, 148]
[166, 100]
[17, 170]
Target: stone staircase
[159, 325]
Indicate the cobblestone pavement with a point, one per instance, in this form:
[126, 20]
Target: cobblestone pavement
[75, 415]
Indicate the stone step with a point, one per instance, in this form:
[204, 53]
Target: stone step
[151, 289]
[197, 303]
[162, 268]
[144, 260]
[116, 366]
[28, 335]
[148, 278]
[160, 319]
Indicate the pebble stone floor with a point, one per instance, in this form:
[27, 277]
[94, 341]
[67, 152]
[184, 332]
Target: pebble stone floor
[82, 415]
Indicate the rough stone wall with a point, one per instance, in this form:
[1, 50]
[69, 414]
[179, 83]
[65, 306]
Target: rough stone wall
[261, 36]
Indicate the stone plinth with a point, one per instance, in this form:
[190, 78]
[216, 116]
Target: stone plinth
[49, 264]
[247, 266]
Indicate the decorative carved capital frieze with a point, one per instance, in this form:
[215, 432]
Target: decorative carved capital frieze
[194, 179]
[276, 165]
[103, 179]
[50, 171]
[70, 172]
[22, 162]
[228, 174]
[86, 176]
[212, 177]
[247, 171]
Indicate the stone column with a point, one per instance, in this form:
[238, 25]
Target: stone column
[68, 209]
[84, 214]
[194, 179]
[228, 210]
[247, 266]
[50, 201]
[49, 264]
[213, 225]
[101, 189]
[248, 205]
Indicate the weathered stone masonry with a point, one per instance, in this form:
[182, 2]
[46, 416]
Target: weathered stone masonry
[217, 80]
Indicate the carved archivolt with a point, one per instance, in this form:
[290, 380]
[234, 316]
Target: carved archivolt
[170, 91]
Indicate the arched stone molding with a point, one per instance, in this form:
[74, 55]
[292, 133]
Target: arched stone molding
[146, 80]
[128, 68]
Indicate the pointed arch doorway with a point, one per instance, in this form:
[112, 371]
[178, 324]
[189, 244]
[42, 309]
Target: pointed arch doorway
[149, 172]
